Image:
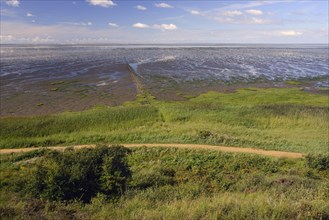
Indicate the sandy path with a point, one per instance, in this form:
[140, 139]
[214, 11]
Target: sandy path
[189, 146]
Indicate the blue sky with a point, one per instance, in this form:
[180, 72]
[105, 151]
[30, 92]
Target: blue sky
[197, 21]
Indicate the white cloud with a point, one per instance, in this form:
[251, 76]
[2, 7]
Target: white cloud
[30, 15]
[251, 4]
[163, 5]
[63, 33]
[165, 26]
[289, 33]
[35, 39]
[113, 24]
[102, 3]
[258, 21]
[232, 13]
[241, 20]
[140, 7]
[254, 12]
[14, 3]
[162, 27]
[236, 16]
[78, 23]
[195, 12]
[6, 38]
[70, 34]
[140, 25]
[7, 13]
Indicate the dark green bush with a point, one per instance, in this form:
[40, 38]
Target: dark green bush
[319, 162]
[81, 174]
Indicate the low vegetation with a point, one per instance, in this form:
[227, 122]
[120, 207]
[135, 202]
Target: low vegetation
[276, 119]
[161, 183]
[80, 174]
[171, 183]
[295, 83]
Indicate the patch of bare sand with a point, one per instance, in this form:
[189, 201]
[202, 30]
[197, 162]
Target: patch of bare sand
[271, 153]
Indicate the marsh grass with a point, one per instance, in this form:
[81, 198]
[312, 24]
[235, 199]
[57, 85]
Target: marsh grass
[277, 119]
[295, 83]
[57, 83]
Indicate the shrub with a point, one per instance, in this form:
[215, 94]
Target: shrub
[319, 162]
[81, 174]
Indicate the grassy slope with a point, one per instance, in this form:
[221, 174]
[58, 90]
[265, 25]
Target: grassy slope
[186, 184]
[279, 119]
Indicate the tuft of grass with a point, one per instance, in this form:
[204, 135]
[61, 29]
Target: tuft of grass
[295, 83]
[54, 89]
[57, 83]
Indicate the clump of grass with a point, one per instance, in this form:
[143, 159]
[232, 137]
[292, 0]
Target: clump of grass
[251, 89]
[54, 89]
[57, 83]
[320, 162]
[295, 83]
[40, 104]
[29, 155]
[189, 96]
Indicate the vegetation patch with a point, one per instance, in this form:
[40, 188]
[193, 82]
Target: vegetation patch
[78, 175]
[57, 83]
[295, 83]
[319, 162]
[54, 89]
[161, 183]
[271, 119]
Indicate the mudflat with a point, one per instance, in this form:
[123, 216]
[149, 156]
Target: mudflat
[43, 80]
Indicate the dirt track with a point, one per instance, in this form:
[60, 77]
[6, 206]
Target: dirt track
[190, 146]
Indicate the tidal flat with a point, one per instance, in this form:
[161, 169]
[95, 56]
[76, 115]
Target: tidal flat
[48, 79]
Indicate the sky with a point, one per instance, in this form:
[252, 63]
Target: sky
[163, 22]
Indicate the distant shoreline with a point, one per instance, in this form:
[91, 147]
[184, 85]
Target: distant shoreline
[183, 45]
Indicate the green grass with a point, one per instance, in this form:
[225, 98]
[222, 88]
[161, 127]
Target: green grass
[170, 183]
[295, 83]
[57, 83]
[276, 119]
